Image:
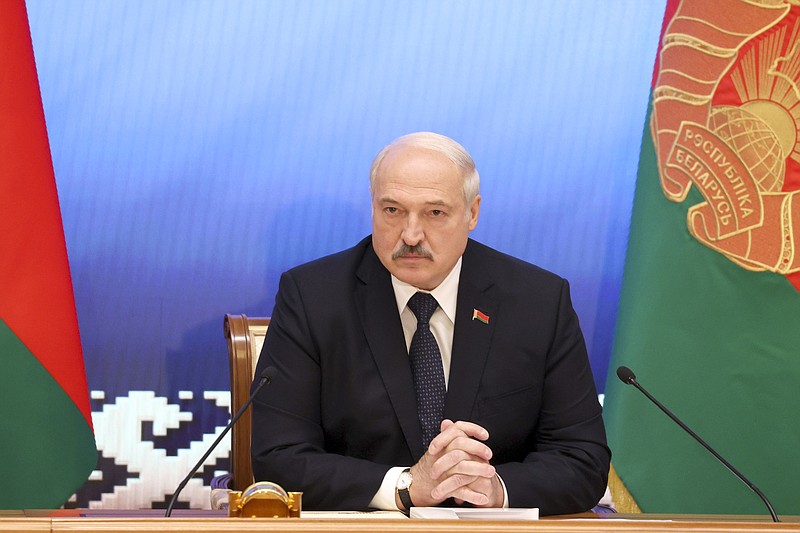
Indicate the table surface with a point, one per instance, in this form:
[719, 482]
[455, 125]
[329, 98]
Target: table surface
[146, 521]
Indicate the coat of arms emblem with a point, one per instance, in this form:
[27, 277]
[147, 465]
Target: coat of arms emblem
[726, 114]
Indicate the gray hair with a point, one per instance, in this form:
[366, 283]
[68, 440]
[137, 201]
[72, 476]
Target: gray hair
[441, 144]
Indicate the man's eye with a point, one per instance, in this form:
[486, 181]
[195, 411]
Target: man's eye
[390, 210]
[437, 212]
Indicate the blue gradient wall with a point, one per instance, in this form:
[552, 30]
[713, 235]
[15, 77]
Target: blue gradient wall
[201, 148]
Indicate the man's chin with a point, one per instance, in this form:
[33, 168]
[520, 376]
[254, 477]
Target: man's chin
[413, 275]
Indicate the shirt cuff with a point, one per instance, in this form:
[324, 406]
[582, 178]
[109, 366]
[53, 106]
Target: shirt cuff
[384, 499]
[505, 492]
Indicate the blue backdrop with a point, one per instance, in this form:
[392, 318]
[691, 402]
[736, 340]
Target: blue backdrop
[201, 148]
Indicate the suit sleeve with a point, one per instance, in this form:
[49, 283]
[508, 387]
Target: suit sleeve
[288, 443]
[565, 468]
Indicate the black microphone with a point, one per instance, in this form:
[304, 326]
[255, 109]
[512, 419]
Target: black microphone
[627, 376]
[264, 378]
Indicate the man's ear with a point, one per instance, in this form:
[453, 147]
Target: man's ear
[474, 209]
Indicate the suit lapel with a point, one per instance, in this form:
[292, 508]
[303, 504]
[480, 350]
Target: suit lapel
[472, 337]
[377, 309]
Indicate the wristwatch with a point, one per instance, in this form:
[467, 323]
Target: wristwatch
[403, 485]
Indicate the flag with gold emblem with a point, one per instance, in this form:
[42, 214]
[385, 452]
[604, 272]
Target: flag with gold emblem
[709, 314]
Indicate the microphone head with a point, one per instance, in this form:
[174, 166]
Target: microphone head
[268, 373]
[626, 375]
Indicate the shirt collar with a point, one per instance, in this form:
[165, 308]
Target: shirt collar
[446, 293]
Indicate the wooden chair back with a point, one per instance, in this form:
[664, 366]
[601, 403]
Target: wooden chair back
[245, 338]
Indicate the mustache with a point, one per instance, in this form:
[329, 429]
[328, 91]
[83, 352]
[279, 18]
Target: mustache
[417, 250]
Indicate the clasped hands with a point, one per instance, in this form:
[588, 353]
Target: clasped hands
[456, 465]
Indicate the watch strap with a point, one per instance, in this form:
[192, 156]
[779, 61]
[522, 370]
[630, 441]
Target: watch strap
[403, 494]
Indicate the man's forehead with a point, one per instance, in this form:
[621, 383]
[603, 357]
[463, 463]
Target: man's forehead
[391, 199]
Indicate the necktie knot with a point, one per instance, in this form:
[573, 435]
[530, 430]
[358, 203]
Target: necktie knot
[423, 304]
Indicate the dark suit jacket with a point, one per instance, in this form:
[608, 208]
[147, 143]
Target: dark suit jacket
[342, 410]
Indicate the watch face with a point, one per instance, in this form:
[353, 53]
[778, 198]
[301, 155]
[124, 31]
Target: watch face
[404, 481]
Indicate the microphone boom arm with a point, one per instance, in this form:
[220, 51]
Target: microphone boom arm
[627, 377]
[266, 377]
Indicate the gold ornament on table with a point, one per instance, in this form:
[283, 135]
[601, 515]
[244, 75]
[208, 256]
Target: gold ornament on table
[265, 499]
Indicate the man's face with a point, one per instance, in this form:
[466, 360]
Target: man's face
[420, 222]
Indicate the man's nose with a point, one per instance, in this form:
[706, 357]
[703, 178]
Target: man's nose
[413, 232]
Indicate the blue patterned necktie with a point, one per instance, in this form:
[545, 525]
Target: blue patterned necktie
[426, 367]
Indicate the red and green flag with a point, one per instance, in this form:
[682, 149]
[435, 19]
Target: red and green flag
[709, 316]
[47, 446]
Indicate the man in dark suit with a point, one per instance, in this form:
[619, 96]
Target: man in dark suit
[357, 415]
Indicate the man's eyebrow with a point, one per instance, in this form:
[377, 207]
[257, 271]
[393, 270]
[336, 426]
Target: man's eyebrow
[438, 202]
